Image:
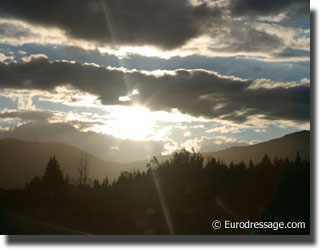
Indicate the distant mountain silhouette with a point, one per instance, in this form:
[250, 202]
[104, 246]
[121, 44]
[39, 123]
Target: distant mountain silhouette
[286, 146]
[22, 160]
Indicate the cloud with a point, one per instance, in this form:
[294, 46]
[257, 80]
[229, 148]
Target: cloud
[224, 130]
[3, 57]
[10, 30]
[16, 32]
[195, 92]
[178, 29]
[204, 144]
[265, 7]
[157, 28]
[163, 23]
[244, 39]
[263, 41]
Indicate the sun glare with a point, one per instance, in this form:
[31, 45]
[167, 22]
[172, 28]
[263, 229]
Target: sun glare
[135, 123]
[138, 123]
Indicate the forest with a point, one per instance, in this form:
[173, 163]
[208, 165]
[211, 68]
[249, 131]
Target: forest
[182, 195]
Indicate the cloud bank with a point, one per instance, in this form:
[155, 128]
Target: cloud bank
[199, 93]
[165, 23]
[167, 28]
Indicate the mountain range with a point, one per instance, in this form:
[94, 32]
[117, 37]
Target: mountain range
[22, 160]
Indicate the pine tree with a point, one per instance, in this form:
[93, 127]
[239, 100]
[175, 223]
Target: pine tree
[53, 178]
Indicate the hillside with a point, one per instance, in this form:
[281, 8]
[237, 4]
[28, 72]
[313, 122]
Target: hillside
[22, 160]
[286, 146]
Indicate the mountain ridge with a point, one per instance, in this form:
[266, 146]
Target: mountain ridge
[15, 153]
[285, 146]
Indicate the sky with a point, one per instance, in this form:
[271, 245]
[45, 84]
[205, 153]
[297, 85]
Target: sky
[126, 80]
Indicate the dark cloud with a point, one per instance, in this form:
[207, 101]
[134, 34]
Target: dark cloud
[26, 115]
[202, 94]
[265, 7]
[244, 38]
[196, 92]
[164, 23]
[39, 73]
[228, 37]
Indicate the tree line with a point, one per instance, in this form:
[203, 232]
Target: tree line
[181, 195]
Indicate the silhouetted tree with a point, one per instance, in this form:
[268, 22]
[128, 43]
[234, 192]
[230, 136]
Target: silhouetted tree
[52, 179]
[53, 183]
[105, 182]
[251, 165]
[35, 185]
[265, 162]
[298, 159]
[193, 190]
[96, 184]
[83, 168]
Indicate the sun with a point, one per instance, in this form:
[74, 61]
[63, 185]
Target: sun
[138, 123]
[134, 122]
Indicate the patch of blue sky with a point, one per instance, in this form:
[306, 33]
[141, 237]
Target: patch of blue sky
[296, 19]
[7, 103]
[239, 66]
